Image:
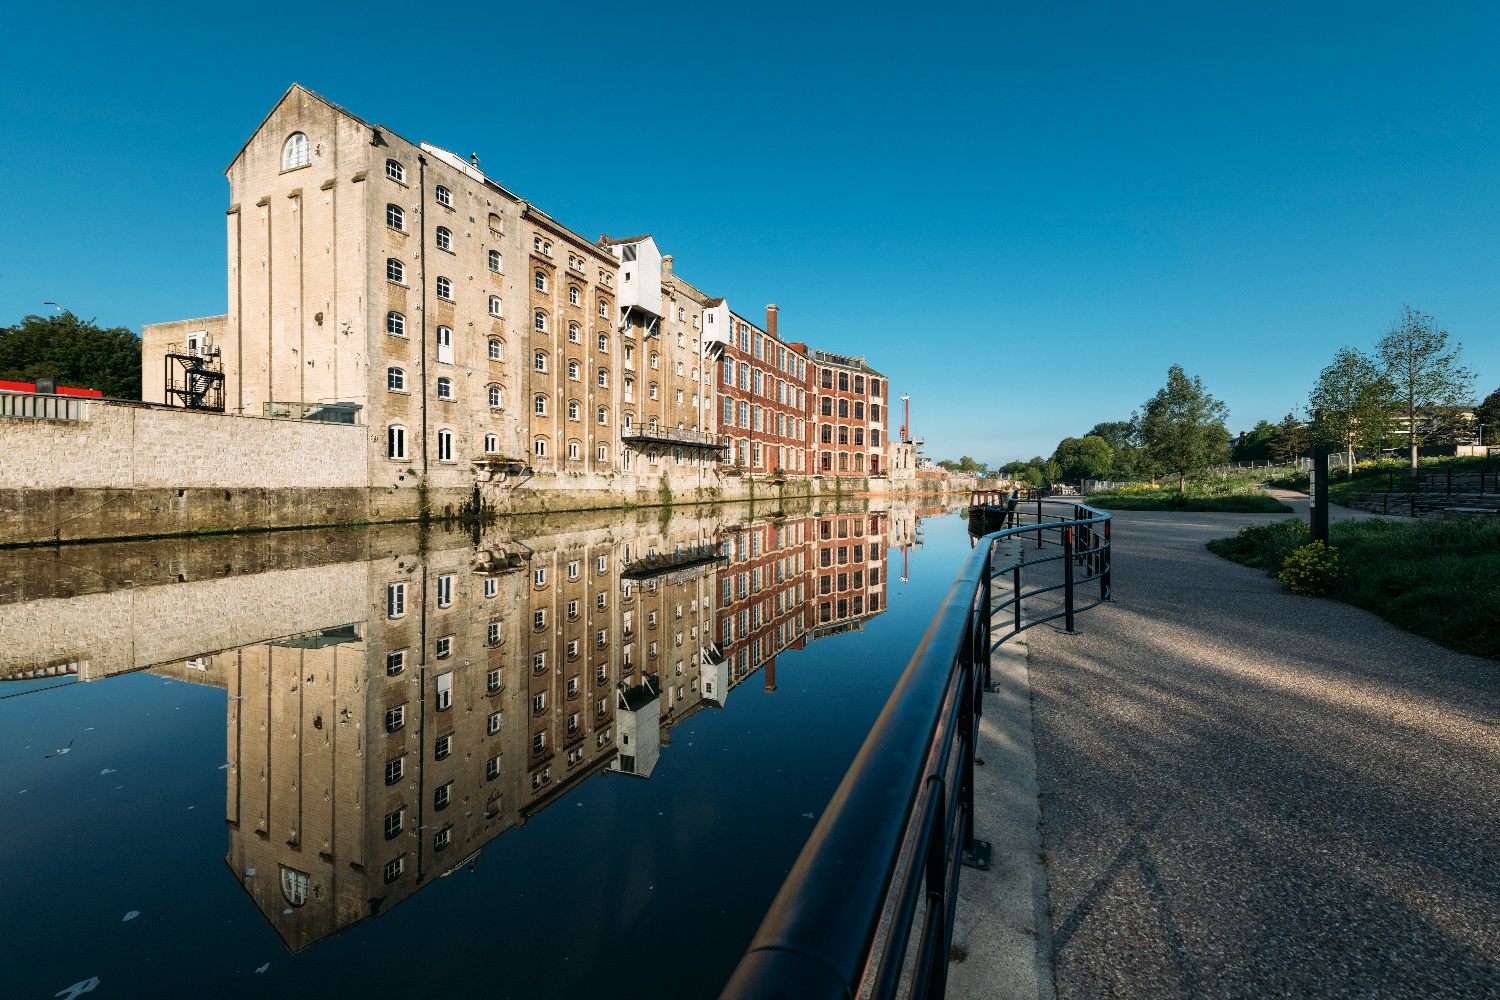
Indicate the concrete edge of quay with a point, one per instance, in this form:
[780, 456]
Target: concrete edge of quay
[31, 518]
[1002, 922]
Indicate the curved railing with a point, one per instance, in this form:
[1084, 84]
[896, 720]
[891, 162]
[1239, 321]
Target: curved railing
[881, 868]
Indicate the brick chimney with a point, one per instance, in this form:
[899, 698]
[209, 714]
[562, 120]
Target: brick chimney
[771, 312]
[666, 266]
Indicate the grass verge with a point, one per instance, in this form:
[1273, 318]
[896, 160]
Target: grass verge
[1246, 502]
[1439, 579]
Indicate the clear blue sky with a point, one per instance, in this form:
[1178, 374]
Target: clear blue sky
[1024, 213]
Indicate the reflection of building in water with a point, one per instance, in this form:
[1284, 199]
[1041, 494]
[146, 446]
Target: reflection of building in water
[430, 699]
[851, 581]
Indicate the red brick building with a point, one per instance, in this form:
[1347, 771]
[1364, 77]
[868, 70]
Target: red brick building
[762, 398]
[848, 415]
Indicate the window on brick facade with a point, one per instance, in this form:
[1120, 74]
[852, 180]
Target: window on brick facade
[495, 261]
[395, 271]
[444, 238]
[395, 171]
[444, 196]
[296, 153]
[395, 218]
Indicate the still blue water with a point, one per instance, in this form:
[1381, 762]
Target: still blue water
[133, 788]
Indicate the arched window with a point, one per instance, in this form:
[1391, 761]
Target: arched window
[494, 349]
[541, 447]
[603, 415]
[539, 361]
[444, 196]
[653, 390]
[444, 288]
[395, 171]
[573, 409]
[603, 343]
[495, 306]
[540, 321]
[395, 324]
[445, 388]
[573, 298]
[495, 261]
[395, 442]
[494, 222]
[573, 370]
[445, 446]
[395, 380]
[494, 394]
[603, 453]
[395, 271]
[541, 281]
[573, 332]
[444, 238]
[395, 218]
[603, 377]
[294, 884]
[541, 406]
[296, 153]
[653, 423]
[574, 450]
[603, 309]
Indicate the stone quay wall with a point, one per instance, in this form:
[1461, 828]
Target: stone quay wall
[133, 471]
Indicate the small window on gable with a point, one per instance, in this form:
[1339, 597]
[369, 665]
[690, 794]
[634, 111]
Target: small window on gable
[296, 153]
[395, 171]
[444, 196]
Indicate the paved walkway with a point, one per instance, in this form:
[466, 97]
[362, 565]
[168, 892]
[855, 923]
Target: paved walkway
[1251, 794]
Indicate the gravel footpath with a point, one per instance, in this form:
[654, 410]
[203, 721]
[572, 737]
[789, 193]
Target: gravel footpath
[1247, 793]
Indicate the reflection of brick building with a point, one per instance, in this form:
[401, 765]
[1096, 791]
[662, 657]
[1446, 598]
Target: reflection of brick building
[470, 689]
[763, 592]
[848, 415]
[850, 570]
[762, 392]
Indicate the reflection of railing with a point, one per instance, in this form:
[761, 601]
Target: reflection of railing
[843, 920]
[31, 406]
[328, 413]
[670, 435]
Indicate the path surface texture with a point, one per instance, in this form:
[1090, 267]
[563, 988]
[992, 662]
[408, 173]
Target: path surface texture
[1251, 794]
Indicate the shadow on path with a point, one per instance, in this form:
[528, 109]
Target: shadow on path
[1248, 793]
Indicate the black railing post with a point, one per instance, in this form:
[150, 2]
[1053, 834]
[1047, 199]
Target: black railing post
[1016, 595]
[1038, 519]
[1067, 543]
[1104, 594]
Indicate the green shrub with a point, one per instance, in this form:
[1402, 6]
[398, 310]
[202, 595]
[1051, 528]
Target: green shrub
[1311, 570]
[1264, 546]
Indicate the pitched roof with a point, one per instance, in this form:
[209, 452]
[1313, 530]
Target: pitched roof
[295, 86]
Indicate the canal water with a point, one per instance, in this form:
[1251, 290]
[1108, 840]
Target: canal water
[562, 756]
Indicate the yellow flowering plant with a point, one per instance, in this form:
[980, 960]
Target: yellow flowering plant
[1311, 570]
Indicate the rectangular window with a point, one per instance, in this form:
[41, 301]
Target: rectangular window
[395, 600]
[394, 769]
[492, 725]
[395, 662]
[444, 647]
[444, 691]
[445, 591]
[491, 587]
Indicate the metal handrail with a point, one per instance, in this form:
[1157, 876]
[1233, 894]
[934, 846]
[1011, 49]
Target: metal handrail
[900, 826]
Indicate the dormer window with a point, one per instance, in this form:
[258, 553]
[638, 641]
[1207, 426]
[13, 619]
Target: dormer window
[296, 153]
[444, 196]
[395, 171]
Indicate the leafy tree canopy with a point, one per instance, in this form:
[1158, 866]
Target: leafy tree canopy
[1088, 457]
[1181, 428]
[1426, 380]
[1350, 403]
[75, 352]
[965, 465]
[1488, 413]
[1255, 444]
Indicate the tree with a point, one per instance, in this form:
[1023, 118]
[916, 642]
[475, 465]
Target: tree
[75, 352]
[1289, 439]
[1349, 404]
[1120, 434]
[1181, 428]
[1088, 457]
[1037, 472]
[1487, 414]
[965, 465]
[1255, 444]
[1425, 377]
